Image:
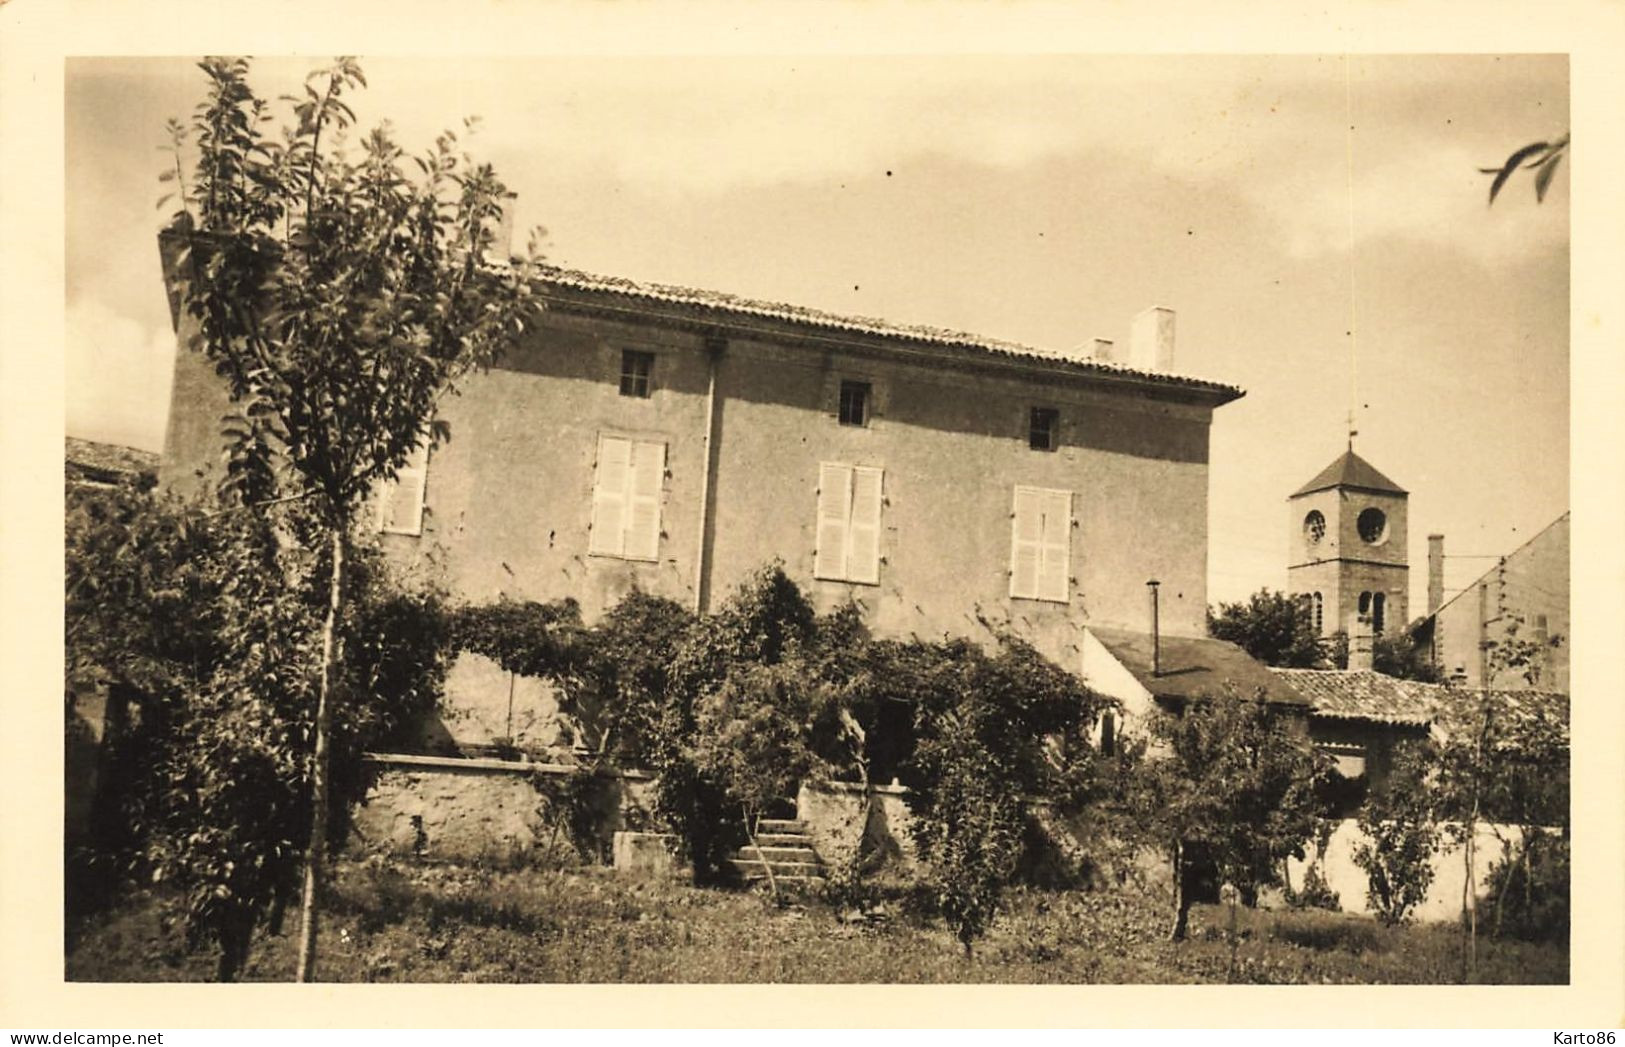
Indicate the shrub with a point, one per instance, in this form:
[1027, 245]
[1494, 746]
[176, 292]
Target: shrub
[1233, 784]
[1315, 893]
[1402, 836]
[202, 618]
[1531, 890]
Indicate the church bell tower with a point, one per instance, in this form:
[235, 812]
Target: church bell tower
[1347, 555]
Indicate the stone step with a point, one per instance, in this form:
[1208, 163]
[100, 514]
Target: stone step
[781, 825]
[753, 870]
[777, 854]
[783, 840]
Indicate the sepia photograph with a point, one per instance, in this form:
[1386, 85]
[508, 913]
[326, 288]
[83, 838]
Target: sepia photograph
[1070, 519]
[866, 516]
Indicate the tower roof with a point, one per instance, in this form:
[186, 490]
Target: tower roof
[1350, 470]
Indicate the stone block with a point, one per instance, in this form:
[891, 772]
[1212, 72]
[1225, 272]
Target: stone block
[645, 853]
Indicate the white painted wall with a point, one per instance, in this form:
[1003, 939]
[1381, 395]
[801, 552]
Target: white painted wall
[1443, 902]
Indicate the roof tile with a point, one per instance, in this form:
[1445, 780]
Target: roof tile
[739, 306]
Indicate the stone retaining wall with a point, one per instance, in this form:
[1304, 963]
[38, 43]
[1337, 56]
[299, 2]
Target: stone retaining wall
[491, 809]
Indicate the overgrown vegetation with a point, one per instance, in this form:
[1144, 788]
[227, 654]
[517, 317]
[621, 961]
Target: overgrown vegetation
[1273, 627]
[393, 922]
[1233, 787]
[1503, 764]
[1401, 836]
[200, 621]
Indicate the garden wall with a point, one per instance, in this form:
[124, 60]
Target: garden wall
[1443, 902]
[841, 824]
[495, 809]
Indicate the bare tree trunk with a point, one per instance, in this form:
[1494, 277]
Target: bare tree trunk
[1470, 890]
[315, 855]
[1182, 902]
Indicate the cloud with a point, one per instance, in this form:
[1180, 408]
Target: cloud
[118, 375]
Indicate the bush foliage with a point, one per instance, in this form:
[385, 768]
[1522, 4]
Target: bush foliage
[201, 624]
[1402, 836]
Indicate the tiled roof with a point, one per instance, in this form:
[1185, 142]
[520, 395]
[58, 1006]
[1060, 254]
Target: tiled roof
[736, 306]
[1378, 698]
[1455, 708]
[1350, 470]
[108, 462]
[1195, 667]
[1361, 695]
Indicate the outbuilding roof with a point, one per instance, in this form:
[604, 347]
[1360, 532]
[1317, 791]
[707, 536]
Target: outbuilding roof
[1362, 694]
[1460, 709]
[1375, 697]
[106, 463]
[1195, 667]
[1350, 470]
[723, 305]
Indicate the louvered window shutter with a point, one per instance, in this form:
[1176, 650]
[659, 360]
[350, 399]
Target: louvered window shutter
[609, 508]
[645, 477]
[1026, 542]
[863, 533]
[1055, 559]
[400, 503]
[834, 516]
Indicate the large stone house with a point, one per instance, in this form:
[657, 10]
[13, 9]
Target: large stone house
[675, 440]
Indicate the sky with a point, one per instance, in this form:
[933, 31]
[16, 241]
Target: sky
[1318, 224]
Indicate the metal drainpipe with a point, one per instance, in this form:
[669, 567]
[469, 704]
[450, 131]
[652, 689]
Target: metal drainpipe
[1156, 632]
[714, 346]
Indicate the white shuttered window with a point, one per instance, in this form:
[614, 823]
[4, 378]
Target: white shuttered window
[1041, 544]
[400, 503]
[849, 501]
[626, 498]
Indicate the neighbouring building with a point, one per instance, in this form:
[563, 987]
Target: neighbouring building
[675, 440]
[90, 471]
[1526, 593]
[1347, 558]
[1152, 674]
[1358, 716]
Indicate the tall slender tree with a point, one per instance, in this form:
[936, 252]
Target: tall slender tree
[339, 295]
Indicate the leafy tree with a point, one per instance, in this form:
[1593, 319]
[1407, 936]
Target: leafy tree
[623, 695]
[202, 623]
[1227, 781]
[338, 299]
[1273, 627]
[1493, 758]
[766, 625]
[1543, 157]
[1401, 656]
[1402, 836]
[990, 732]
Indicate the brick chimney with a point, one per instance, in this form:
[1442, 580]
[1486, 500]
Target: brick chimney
[1360, 645]
[1095, 350]
[1435, 573]
[1151, 340]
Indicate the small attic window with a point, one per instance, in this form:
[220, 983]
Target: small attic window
[636, 370]
[1044, 429]
[854, 404]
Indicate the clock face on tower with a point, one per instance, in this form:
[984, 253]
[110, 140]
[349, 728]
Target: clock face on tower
[1314, 527]
[1373, 526]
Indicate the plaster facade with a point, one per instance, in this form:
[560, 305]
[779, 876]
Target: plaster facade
[1528, 588]
[746, 414]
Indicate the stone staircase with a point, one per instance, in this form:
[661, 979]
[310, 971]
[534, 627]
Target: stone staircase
[786, 848]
